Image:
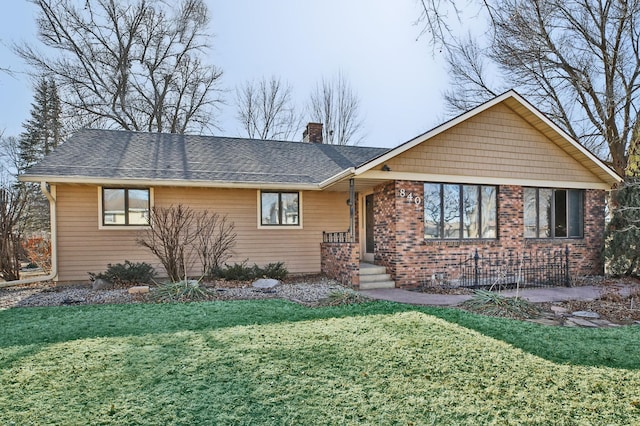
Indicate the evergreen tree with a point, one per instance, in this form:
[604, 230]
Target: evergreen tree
[43, 131]
[622, 249]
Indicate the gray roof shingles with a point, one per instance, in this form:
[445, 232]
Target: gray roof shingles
[124, 155]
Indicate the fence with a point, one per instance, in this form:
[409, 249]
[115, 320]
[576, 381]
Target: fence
[547, 268]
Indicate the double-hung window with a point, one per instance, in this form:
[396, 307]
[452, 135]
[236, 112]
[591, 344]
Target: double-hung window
[279, 208]
[125, 206]
[553, 213]
[453, 211]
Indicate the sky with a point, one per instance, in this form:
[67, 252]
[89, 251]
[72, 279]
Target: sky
[374, 43]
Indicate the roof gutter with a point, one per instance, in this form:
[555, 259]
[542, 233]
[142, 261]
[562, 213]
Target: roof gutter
[336, 178]
[169, 182]
[54, 246]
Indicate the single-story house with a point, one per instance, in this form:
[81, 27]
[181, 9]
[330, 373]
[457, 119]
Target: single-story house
[501, 177]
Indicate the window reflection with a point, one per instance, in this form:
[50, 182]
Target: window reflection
[454, 211]
[280, 208]
[125, 206]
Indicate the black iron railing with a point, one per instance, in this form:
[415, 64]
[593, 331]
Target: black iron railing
[336, 237]
[546, 268]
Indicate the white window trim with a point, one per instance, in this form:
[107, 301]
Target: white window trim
[121, 227]
[279, 227]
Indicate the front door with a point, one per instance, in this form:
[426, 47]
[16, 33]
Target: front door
[369, 243]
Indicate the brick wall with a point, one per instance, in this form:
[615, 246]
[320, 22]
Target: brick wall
[341, 261]
[412, 261]
[385, 219]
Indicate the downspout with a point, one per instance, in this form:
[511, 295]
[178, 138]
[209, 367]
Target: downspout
[54, 245]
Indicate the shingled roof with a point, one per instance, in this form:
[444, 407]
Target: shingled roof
[93, 155]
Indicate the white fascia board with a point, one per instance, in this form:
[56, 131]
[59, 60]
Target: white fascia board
[337, 178]
[477, 180]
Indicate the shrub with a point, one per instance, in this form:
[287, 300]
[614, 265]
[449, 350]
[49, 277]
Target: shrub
[277, 271]
[181, 291]
[494, 304]
[343, 297]
[236, 272]
[243, 272]
[126, 274]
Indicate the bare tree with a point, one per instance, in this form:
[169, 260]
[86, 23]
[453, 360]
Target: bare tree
[266, 111]
[577, 60]
[130, 64]
[12, 205]
[337, 106]
[9, 158]
[471, 75]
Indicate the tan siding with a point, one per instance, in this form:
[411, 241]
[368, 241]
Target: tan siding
[82, 247]
[496, 143]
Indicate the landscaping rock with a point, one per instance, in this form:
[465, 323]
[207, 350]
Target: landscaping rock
[559, 310]
[585, 314]
[101, 284]
[582, 322]
[265, 283]
[140, 289]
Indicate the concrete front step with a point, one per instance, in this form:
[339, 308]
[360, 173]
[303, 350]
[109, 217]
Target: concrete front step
[373, 276]
[368, 278]
[377, 284]
[371, 269]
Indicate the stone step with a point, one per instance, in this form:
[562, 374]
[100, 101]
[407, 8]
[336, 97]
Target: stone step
[368, 278]
[377, 284]
[374, 276]
[370, 269]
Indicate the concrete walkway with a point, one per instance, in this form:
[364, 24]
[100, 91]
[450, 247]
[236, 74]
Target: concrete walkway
[551, 294]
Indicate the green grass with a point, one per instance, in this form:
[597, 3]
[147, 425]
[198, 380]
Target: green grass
[275, 362]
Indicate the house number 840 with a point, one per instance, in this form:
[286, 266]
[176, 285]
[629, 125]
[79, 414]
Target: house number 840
[409, 196]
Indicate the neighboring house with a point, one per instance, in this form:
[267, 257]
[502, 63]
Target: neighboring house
[501, 177]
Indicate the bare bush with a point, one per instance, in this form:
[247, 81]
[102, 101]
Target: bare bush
[170, 238]
[178, 234]
[215, 239]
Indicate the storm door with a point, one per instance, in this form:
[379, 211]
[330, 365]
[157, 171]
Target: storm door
[369, 243]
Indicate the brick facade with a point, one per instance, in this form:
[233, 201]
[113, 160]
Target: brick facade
[341, 261]
[413, 261]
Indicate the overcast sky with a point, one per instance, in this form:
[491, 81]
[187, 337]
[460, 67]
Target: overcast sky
[373, 42]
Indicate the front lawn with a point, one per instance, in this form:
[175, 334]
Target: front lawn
[275, 362]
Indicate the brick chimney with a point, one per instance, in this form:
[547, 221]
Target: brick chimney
[313, 133]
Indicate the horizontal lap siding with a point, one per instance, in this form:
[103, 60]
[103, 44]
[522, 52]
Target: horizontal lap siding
[496, 143]
[82, 247]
